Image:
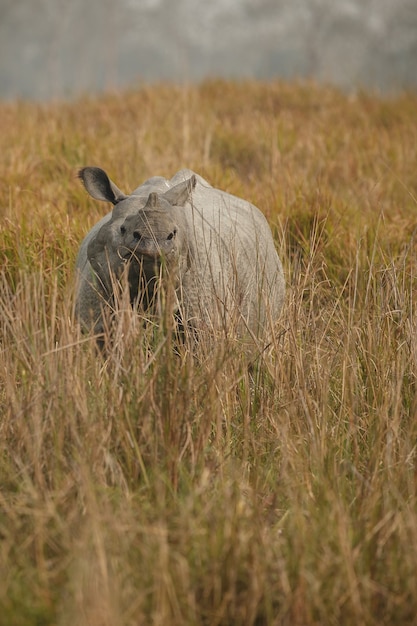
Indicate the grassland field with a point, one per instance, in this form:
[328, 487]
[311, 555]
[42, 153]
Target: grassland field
[152, 488]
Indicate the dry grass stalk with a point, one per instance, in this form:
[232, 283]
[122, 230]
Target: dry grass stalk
[155, 487]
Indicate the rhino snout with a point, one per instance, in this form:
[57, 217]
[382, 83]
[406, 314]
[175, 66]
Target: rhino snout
[140, 244]
[137, 236]
[145, 247]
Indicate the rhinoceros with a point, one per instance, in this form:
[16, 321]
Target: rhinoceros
[216, 248]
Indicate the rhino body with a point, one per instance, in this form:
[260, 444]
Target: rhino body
[216, 248]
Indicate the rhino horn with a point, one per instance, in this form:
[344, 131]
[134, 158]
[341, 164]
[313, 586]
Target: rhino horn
[99, 185]
[152, 201]
[181, 193]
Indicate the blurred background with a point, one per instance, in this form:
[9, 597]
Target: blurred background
[63, 48]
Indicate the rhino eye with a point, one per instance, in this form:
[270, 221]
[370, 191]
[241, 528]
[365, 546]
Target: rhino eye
[172, 235]
[123, 229]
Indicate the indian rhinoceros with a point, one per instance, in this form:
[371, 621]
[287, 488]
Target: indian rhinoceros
[216, 248]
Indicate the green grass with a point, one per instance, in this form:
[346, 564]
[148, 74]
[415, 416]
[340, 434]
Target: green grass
[157, 488]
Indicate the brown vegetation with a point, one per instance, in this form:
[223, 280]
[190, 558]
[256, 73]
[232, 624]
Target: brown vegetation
[156, 488]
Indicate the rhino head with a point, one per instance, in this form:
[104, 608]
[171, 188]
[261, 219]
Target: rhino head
[143, 235]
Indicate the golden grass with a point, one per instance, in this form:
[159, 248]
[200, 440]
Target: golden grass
[154, 488]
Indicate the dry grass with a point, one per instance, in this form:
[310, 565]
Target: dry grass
[155, 488]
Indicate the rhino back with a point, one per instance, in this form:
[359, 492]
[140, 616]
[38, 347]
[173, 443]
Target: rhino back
[236, 266]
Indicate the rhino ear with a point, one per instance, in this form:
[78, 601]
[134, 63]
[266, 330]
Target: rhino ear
[99, 185]
[181, 193]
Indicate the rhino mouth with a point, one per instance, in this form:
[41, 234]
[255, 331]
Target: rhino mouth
[137, 255]
[138, 258]
[144, 273]
[143, 277]
[140, 267]
[125, 258]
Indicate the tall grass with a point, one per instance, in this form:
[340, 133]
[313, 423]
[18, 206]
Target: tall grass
[152, 487]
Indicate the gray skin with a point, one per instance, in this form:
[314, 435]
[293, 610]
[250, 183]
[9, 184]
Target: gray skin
[217, 250]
